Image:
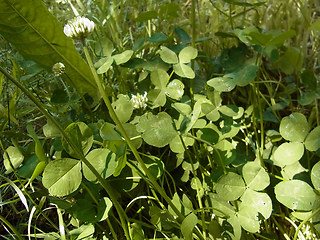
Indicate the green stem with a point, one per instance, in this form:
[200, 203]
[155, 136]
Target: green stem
[116, 120]
[101, 180]
[304, 222]
[17, 234]
[193, 44]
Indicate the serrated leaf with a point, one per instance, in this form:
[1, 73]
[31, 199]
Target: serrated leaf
[62, 177]
[122, 57]
[38, 36]
[294, 127]
[230, 186]
[183, 70]
[168, 56]
[187, 54]
[295, 194]
[315, 176]
[157, 130]
[255, 176]
[288, 153]
[312, 141]
[103, 160]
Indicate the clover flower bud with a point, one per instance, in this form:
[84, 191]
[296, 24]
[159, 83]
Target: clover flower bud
[139, 101]
[78, 28]
[58, 68]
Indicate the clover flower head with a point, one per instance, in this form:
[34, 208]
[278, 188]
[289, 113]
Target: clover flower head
[78, 28]
[58, 68]
[139, 101]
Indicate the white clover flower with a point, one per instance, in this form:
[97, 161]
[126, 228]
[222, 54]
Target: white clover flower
[139, 101]
[78, 28]
[58, 68]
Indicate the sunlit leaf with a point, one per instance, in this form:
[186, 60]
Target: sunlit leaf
[257, 202]
[312, 141]
[223, 84]
[188, 225]
[183, 70]
[187, 54]
[315, 176]
[295, 194]
[62, 177]
[288, 153]
[103, 160]
[230, 186]
[175, 89]
[157, 130]
[255, 176]
[294, 127]
[248, 219]
[122, 57]
[12, 157]
[168, 55]
[123, 107]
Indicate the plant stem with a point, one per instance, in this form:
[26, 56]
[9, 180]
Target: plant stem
[125, 135]
[101, 180]
[193, 44]
[11, 227]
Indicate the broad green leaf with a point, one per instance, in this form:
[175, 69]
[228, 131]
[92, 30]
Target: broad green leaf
[86, 232]
[289, 171]
[230, 186]
[62, 177]
[122, 57]
[105, 64]
[187, 54]
[257, 202]
[184, 37]
[295, 194]
[316, 217]
[157, 130]
[176, 145]
[291, 61]
[157, 37]
[38, 36]
[157, 97]
[175, 89]
[108, 132]
[316, 25]
[223, 84]
[294, 127]
[38, 170]
[288, 153]
[159, 78]
[104, 207]
[168, 56]
[104, 47]
[220, 207]
[255, 176]
[169, 11]
[210, 111]
[229, 110]
[208, 134]
[248, 219]
[183, 70]
[123, 107]
[315, 176]
[312, 141]
[81, 136]
[103, 160]
[14, 156]
[235, 231]
[246, 75]
[188, 225]
[145, 16]
[279, 39]
[132, 133]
